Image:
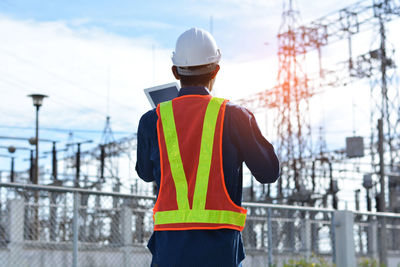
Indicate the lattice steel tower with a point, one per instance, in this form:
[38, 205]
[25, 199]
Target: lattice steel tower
[292, 106]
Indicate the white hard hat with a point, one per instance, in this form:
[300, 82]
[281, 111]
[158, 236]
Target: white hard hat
[195, 47]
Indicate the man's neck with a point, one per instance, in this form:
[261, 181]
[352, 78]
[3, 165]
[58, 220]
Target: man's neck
[208, 85]
[194, 85]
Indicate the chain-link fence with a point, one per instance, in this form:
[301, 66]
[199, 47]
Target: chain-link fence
[55, 226]
[275, 234]
[59, 226]
[376, 236]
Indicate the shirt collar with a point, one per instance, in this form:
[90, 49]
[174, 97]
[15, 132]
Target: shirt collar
[193, 90]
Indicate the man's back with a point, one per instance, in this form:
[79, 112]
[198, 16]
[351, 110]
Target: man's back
[241, 141]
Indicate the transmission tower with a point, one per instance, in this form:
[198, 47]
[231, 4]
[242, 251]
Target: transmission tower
[292, 120]
[108, 161]
[290, 96]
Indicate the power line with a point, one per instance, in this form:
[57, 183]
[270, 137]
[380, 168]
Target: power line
[64, 130]
[18, 84]
[57, 76]
[62, 100]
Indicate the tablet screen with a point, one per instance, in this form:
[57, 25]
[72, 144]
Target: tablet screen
[161, 93]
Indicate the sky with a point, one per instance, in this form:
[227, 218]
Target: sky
[94, 58]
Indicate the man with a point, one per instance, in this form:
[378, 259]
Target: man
[193, 147]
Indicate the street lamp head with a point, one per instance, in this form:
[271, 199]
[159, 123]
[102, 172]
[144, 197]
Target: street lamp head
[11, 149]
[37, 99]
[32, 141]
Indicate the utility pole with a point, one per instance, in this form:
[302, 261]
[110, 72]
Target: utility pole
[369, 204]
[382, 208]
[78, 165]
[357, 198]
[78, 160]
[102, 162]
[11, 150]
[12, 178]
[381, 166]
[54, 162]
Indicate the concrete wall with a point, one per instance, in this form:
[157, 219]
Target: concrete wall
[393, 259]
[31, 257]
[136, 257]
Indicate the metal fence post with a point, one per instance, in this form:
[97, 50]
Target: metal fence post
[75, 231]
[16, 228]
[382, 231]
[53, 215]
[373, 239]
[333, 237]
[344, 238]
[127, 237]
[269, 237]
[307, 237]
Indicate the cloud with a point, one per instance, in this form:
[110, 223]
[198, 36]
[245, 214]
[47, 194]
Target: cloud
[115, 24]
[238, 9]
[74, 67]
[144, 24]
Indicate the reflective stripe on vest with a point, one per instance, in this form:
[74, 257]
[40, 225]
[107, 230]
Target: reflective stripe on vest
[198, 213]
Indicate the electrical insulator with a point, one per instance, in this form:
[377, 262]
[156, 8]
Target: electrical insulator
[377, 202]
[12, 170]
[54, 161]
[367, 181]
[102, 160]
[334, 186]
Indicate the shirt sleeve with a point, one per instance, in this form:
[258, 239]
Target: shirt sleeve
[144, 163]
[254, 149]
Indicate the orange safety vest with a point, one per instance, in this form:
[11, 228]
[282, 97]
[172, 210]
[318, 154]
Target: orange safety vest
[192, 191]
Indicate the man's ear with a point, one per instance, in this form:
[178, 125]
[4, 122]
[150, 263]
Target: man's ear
[215, 71]
[175, 72]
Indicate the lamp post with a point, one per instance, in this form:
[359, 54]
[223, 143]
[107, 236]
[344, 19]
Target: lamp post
[37, 102]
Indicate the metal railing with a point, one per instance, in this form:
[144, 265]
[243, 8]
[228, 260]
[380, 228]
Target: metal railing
[284, 232]
[60, 226]
[99, 228]
[368, 240]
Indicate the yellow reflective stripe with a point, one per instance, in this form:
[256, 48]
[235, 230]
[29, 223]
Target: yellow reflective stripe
[206, 151]
[174, 155]
[200, 216]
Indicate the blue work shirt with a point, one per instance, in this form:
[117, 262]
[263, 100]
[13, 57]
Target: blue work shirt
[242, 141]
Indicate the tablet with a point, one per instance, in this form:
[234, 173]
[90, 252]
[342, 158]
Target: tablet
[161, 93]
